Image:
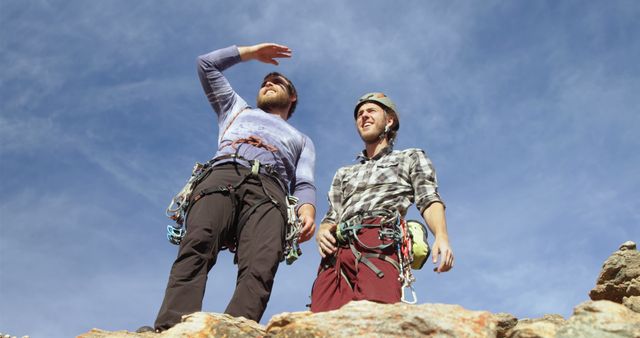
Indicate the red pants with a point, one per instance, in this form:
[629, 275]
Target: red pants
[340, 280]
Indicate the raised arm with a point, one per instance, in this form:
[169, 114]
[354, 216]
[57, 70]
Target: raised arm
[221, 96]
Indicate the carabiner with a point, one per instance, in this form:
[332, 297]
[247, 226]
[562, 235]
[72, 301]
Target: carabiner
[413, 294]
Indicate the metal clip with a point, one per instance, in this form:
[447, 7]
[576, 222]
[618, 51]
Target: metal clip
[413, 294]
[255, 168]
[294, 225]
[175, 234]
[293, 253]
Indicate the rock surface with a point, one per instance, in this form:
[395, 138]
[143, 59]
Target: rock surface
[620, 276]
[368, 319]
[601, 319]
[632, 302]
[506, 321]
[199, 324]
[544, 327]
[613, 312]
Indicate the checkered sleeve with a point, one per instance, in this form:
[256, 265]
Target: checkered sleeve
[423, 179]
[335, 200]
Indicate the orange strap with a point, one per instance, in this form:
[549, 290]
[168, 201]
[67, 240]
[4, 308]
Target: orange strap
[251, 140]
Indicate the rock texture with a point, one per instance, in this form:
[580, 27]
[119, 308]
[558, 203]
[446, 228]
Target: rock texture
[199, 324]
[368, 319]
[632, 302]
[506, 321]
[620, 277]
[612, 312]
[544, 327]
[601, 319]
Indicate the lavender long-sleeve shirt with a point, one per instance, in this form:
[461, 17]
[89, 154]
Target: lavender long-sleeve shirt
[295, 158]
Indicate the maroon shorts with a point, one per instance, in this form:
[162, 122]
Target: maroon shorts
[340, 280]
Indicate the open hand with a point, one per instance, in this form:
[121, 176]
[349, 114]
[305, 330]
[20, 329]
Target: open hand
[442, 251]
[265, 52]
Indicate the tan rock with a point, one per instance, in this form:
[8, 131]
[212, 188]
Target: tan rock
[545, 327]
[601, 319]
[369, 319]
[628, 245]
[632, 302]
[97, 333]
[620, 275]
[506, 322]
[199, 324]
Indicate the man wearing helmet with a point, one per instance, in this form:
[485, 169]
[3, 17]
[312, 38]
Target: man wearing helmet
[364, 201]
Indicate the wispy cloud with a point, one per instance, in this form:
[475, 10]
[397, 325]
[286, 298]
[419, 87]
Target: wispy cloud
[529, 112]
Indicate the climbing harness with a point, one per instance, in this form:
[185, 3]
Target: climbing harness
[409, 238]
[180, 205]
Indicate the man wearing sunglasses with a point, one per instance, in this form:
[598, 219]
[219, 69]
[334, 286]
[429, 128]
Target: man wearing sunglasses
[242, 203]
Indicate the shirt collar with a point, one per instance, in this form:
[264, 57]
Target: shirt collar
[362, 157]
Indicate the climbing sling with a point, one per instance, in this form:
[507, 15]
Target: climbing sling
[409, 239]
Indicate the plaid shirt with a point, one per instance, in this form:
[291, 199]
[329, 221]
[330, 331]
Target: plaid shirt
[391, 180]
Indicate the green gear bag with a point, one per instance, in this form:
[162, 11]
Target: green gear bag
[420, 247]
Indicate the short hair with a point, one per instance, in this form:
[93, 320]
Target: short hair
[290, 88]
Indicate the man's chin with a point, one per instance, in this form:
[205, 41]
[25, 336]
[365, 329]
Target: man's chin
[369, 138]
[269, 105]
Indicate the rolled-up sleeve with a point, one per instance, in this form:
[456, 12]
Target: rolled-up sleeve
[424, 180]
[335, 200]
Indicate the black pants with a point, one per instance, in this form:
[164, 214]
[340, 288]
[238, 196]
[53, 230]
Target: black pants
[211, 222]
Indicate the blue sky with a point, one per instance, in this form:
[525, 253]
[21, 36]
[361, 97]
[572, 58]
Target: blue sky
[529, 110]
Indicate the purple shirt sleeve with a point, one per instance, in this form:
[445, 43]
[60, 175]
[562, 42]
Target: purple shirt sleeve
[304, 188]
[219, 92]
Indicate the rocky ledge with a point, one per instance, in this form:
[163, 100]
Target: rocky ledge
[613, 311]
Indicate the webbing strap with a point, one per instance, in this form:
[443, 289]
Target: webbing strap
[230, 190]
[385, 258]
[365, 261]
[243, 220]
[221, 189]
[344, 276]
[354, 232]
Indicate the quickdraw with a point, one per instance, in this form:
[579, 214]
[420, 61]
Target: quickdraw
[294, 226]
[177, 209]
[405, 255]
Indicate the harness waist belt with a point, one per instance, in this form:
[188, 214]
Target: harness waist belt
[265, 169]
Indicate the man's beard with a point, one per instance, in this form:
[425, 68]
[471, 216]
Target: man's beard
[267, 103]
